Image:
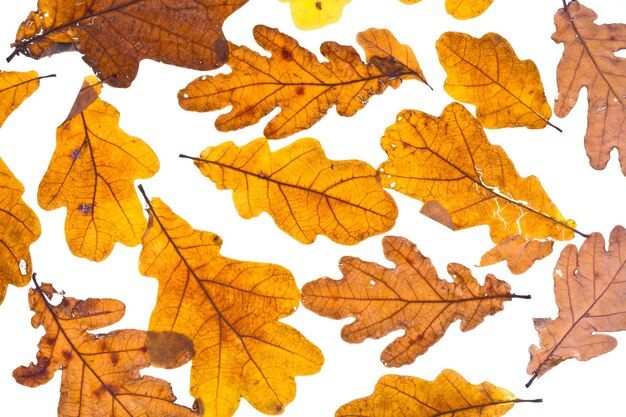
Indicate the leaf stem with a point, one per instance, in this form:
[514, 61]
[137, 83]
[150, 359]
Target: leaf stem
[536, 400]
[525, 297]
[554, 126]
[531, 380]
[144, 195]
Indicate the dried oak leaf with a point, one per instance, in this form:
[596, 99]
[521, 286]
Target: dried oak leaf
[448, 395]
[462, 9]
[20, 228]
[229, 309]
[293, 79]
[487, 73]
[100, 372]
[15, 87]
[590, 291]
[589, 60]
[519, 253]
[304, 192]
[314, 14]
[115, 35]
[410, 297]
[92, 172]
[449, 160]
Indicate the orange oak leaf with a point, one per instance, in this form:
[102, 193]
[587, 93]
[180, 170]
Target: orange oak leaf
[589, 61]
[229, 309]
[590, 290]
[100, 371]
[92, 173]
[15, 87]
[487, 73]
[115, 35]
[20, 228]
[314, 14]
[305, 193]
[410, 297]
[519, 253]
[448, 159]
[294, 80]
[448, 395]
[462, 9]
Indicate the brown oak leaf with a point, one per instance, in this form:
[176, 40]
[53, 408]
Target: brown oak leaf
[590, 291]
[519, 253]
[410, 297]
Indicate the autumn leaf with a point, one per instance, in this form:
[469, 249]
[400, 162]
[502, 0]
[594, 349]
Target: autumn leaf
[115, 35]
[519, 253]
[462, 9]
[100, 372]
[305, 193]
[314, 14]
[230, 310]
[15, 87]
[410, 297]
[589, 60]
[590, 291]
[449, 160]
[92, 173]
[486, 72]
[294, 80]
[448, 395]
[20, 228]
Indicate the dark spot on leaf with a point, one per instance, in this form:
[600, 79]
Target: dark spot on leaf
[278, 408]
[67, 354]
[286, 54]
[115, 358]
[318, 5]
[300, 90]
[75, 154]
[86, 209]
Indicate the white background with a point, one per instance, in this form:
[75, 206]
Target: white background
[496, 351]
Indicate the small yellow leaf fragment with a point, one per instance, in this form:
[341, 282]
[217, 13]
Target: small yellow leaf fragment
[15, 87]
[462, 9]
[314, 14]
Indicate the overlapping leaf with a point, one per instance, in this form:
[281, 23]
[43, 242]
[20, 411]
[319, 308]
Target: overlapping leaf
[519, 253]
[448, 159]
[410, 297]
[590, 290]
[100, 371]
[448, 395]
[229, 309]
[486, 72]
[589, 60]
[20, 228]
[305, 193]
[15, 87]
[462, 9]
[315, 14]
[92, 173]
[115, 35]
[294, 80]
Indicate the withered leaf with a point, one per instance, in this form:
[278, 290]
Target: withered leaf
[92, 173]
[519, 253]
[20, 228]
[462, 9]
[294, 80]
[15, 87]
[448, 159]
[305, 193]
[486, 72]
[448, 395]
[589, 60]
[410, 297]
[100, 371]
[590, 291]
[230, 311]
[115, 35]
[314, 14]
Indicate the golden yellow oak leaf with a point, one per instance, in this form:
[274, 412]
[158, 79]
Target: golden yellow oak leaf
[448, 395]
[229, 309]
[20, 228]
[305, 193]
[462, 9]
[590, 60]
[293, 79]
[100, 371]
[92, 172]
[314, 14]
[115, 35]
[448, 159]
[410, 297]
[486, 72]
[15, 87]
